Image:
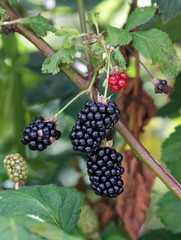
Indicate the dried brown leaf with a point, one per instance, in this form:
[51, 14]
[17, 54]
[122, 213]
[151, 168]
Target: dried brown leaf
[132, 206]
[144, 105]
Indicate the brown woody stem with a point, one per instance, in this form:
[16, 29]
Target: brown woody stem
[140, 152]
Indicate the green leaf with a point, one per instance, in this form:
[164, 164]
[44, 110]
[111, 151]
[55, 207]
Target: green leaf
[55, 205]
[160, 234]
[67, 31]
[172, 108]
[169, 8]
[171, 27]
[157, 46]
[38, 24]
[94, 61]
[111, 232]
[171, 146]
[139, 16]
[52, 232]
[169, 208]
[118, 36]
[92, 17]
[17, 227]
[64, 56]
[67, 43]
[70, 33]
[120, 58]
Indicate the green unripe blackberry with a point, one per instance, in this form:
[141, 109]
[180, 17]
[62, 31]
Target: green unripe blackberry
[16, 167]
[88, 222]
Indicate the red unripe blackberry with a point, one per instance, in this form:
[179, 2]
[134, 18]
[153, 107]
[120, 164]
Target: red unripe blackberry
[112, 80]
[39, 134]
[94, 122]
[117, 76]
[104, 170]
[122, 83]
[114, 88]
[123, 75]
[117, 81]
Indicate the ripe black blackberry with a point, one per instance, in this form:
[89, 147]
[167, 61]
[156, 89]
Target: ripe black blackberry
[104, 170]
[94, 123]
[39, 134]
[160, 86]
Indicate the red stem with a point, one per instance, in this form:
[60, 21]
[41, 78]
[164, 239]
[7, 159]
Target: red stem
[139, 61]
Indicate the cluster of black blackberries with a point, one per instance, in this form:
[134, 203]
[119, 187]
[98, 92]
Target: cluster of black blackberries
[94, 123]
[39, 134]
[104, 170]
[160, 86]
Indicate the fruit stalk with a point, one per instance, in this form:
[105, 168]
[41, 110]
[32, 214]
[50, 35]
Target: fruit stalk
[69, 103]
[139, 61]
[108, 71]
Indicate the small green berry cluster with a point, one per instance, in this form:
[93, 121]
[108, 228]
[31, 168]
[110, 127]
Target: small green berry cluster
[16, 167]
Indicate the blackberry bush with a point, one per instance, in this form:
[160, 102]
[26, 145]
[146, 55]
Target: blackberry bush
[40, 134]
[104, 170]
[94, 123]
[86, 54]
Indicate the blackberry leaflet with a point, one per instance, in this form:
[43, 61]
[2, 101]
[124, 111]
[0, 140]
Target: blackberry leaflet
[39, 134]
[104, 170]
[94, 123]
